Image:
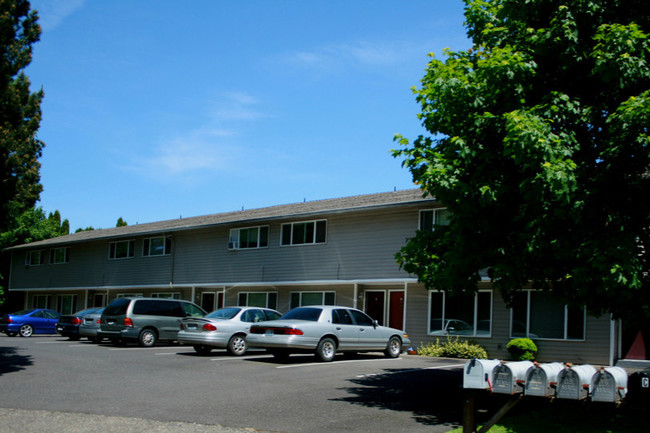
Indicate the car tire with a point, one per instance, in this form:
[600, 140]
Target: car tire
[237, 345]
[26, 331]
[393, 348]
[202, 349]
[148, 338]
[326, 350]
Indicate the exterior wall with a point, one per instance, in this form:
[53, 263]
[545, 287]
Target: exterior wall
[595, 349]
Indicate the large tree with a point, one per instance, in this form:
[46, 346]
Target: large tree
[539, 148]
[20, 116]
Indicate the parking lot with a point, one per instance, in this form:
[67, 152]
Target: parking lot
[171, 383]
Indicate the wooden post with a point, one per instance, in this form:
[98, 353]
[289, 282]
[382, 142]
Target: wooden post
[469, 412]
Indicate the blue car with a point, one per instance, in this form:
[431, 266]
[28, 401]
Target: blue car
[28, 322]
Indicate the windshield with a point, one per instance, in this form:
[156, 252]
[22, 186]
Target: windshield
[223, 313]
[309, 313]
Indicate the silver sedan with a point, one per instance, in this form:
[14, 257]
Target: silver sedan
[325, 330]
[225, 328]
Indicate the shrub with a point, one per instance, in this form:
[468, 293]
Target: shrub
[453, 348]
[522, 349]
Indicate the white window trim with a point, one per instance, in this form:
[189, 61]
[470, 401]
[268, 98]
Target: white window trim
[292, 244]
[254, 293]
[28, 258]
[66, 255]
[166, 295]
[130, 255]
[443, 317]
[566, 320]
[233, 244]
[146, 241]
[435, 211]
[322, 292]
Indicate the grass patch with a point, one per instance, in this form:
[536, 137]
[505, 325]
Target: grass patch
[540, 416]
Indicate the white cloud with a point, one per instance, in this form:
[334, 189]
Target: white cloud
[52, 12]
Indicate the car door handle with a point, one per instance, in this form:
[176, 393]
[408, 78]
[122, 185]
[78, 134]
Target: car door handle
[338, 328]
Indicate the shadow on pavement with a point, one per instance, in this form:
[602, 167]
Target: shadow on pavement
[11, 361]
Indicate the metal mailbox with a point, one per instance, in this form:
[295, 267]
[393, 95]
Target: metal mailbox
[639, 387]
[609, 384]
[574, 382]
[479, 373]
[509, 378]
[541, 379]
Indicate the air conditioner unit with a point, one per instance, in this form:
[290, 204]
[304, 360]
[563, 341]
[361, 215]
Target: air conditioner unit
[233, 245]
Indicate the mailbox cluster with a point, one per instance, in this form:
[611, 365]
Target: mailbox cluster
[565, 381]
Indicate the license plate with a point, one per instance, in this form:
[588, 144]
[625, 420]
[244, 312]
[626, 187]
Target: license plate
[269, 332]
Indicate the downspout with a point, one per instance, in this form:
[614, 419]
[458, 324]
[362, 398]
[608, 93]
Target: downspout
[612, 340]
[406, 286]
[356, 293]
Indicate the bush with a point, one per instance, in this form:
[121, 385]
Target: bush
[453, 348]
[522, 349]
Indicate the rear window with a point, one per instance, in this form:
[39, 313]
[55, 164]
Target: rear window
[117, 307]
[310, 314]
[147, 307]
[223, 313]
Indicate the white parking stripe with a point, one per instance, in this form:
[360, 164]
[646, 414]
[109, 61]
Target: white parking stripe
[312, 364]
[437, 367]
[232, 358]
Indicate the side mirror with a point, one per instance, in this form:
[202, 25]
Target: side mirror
[375, 323]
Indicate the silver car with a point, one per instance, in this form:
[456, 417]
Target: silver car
[90, 325]
[325, 330]
[225, 328]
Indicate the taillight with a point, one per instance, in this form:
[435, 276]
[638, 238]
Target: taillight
[6, 320]
[182, 326]
[276, 331]
[99, 321]
[128, 322]
[75, 321]
[209, 327]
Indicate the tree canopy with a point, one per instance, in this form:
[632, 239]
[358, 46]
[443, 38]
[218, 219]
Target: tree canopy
[538, 147]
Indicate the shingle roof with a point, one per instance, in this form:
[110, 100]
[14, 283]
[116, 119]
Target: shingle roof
[358, 202]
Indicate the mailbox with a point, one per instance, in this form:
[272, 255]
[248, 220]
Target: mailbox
[639, 387]
[574, 382]
[609, 384]
[478, 373]
[541, 379]
[510, 378]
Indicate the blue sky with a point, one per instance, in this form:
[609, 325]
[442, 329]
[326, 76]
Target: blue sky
[157, 109]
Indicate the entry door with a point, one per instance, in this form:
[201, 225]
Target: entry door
[207, 301]
[376, 305]
[396, 309]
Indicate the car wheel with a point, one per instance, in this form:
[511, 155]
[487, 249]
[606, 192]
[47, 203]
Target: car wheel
[202, 349]
[26, 331]
[326, 350]
[237, 345]
[394, 347]
[147, 338]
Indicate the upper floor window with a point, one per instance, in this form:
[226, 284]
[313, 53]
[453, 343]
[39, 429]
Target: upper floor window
[431, 217]
[59, 255]
[121, 249]
[308, 232]
[250, 237]
[167, 295]
[158, 246]
[537, 314]
[34, 258]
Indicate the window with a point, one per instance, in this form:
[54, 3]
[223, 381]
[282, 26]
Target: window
[301, 299]
[67, 304]
[59, 255]
[40, 301]
[121, 249]
[259, 299]
[469, 315]
[432, 217]
[34, 258]
[310, 232]
[248, 238]
[130, 295]
[159, 246]
[537, 314]
[167, 295]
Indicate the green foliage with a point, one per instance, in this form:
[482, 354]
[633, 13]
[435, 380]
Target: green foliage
[539, 147]
[121, 223]
[453, 348]
[522, 349]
